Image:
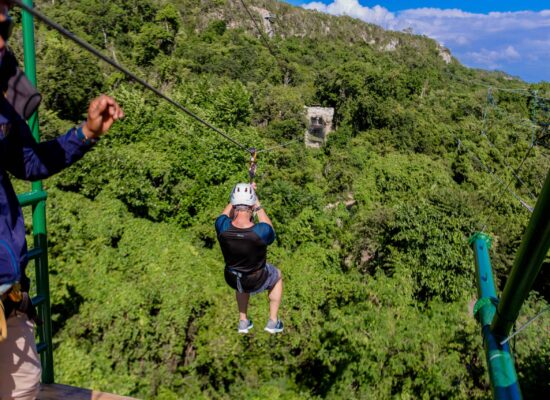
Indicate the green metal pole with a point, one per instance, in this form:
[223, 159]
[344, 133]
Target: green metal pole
[527, 264]
[39, 213]
[500, 363]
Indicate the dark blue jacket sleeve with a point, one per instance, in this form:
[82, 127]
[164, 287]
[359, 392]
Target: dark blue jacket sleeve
[26, 159]
[222, 223]
[265, 232]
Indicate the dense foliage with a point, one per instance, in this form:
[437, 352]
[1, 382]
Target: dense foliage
[372, 228]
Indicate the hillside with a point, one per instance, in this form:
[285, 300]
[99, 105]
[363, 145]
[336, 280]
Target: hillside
[372, 229]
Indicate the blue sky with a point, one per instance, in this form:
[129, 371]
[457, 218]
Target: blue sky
[510, 36]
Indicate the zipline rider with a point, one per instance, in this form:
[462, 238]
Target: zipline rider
[244, 247]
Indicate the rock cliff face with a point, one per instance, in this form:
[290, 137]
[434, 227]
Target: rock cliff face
[391, 46]
[319, 125]
[291, 21]
[267, 20]
[278, 19]
[445, 54]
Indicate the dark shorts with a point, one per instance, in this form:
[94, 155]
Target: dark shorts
[273, 275]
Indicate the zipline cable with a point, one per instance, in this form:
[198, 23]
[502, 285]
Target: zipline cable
[490, 101]
[270, 149]
[505, 186]
[520, 91]
[503, 189]
[502, 183]
[71, 36]
[517, 171]
[82, 43]
[525, 325]
[508, 166]
[282, 65]
[534, 116]
[262, 35]
[511, 118]
[495, 177]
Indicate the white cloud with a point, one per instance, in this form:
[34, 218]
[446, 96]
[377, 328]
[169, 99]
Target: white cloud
[494, 58]
[315, 5]
[437, 13]
[446, 25]
[462, 40]
[490, 40]
[376, 15]
[510, 53]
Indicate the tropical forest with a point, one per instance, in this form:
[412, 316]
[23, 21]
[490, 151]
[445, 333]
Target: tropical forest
[372, 222]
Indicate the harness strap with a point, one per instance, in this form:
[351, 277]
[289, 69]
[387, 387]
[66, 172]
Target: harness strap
[239, 275]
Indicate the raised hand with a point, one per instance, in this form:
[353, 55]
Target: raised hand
[102, 113]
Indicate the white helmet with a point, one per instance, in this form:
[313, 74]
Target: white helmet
[243, 194]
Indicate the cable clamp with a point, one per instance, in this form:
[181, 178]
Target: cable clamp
[484, 301]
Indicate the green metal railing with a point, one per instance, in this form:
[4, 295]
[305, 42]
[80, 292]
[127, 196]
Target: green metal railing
[527, 264]
[502, 374]
[497, 317]
[37, 199]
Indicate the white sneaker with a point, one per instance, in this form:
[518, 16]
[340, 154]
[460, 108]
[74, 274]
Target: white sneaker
[274, 327]
[245, 326]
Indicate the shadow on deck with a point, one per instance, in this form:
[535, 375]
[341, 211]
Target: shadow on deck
[56, 391]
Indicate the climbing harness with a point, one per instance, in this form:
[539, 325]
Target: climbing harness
[240, 275]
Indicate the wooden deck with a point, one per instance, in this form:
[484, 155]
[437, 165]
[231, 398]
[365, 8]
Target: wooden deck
[56, 391]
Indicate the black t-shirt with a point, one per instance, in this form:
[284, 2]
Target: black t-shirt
[244, 251]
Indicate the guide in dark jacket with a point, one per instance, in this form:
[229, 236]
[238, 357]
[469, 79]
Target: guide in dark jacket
[23, 158]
